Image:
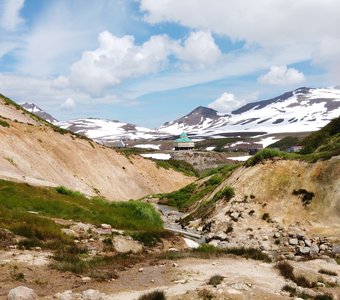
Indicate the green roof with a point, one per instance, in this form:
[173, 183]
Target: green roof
[183, 138]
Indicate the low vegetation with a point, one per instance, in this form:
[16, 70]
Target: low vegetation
[226, 194]
[155, 295]
[4, 123]
[285, 143]
[215, 280]
[322, 139]
[178, 165]
[306, 197]
[328, 272]
[287, 271]
[19, 198]
[267, 153]
[206, 251]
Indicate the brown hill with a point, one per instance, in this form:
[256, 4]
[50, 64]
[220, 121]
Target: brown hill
[32, 151]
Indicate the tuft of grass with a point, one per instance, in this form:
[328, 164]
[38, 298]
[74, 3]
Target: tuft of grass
[4, 123]
[328, 272]
[324, 297]
[265, 154]
[206, 251]
[155, 295]
[151, 238]
[65, 191]
[215, 280]
[226, 193]
[287, 271]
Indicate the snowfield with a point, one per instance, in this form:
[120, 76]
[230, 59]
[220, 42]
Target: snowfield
[160, 156]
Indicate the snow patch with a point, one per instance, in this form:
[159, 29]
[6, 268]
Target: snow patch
[240, 158]
[147, 146]
[160, 156]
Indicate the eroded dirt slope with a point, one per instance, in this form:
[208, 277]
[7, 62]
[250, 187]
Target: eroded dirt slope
[37, 154]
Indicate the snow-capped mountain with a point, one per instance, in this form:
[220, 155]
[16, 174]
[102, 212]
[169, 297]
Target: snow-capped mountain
[108, 131]
[31, 107]
[301, 110]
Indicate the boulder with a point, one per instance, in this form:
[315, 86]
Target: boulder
[22, 293]
[304, 250]
[123, 244]
[70, 232]
[93, 295]
[314, 249]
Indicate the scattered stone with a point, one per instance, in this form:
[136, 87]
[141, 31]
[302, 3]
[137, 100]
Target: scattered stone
[308, 243]
[140, 269]
[152, 281]
[314, 249]
[173, 250]
[276, 235]
[182, 281]
[70, 232]
[86, 279]
[323, 247]
[293, 241]
[320, 284]
[106, 226]
[235, 216]
[93, 295]
[304, 250]
[22, 293]
[175, 265]
[265, 238]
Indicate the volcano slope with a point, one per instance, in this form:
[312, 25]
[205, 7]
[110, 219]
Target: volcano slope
[36, 152]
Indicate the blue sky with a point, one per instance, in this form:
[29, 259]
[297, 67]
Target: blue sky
[151, 61]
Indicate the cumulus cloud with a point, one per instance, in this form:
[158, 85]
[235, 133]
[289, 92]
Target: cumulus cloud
[69, 103]
[228, 102]
[282, 75]
[225, 103]
[10, 18]
[199, 51]
[119, 58]
[285, 26]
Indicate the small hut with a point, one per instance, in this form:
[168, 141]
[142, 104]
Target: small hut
[184, 143]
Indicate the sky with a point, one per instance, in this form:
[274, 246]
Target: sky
[151, 61]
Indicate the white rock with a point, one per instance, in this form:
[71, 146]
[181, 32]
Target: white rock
[106, 226]
[175, 265]
[124, 245]
[70, 232]
[22, 293]
[86, 279]
[293, 241]
[140, 269]
[93, 295]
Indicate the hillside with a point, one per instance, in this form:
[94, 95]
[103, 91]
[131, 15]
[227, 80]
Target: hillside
[34, 152]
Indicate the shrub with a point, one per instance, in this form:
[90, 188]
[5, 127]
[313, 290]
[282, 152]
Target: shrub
[287, 271]
[324, 297]
[265, 217]
[178, 165]
[227, 193]
[215, 280]
[155, 295]
[306, 197]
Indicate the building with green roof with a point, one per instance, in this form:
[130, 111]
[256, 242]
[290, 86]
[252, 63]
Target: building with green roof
[184, 143]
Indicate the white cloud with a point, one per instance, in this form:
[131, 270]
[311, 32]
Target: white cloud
[228, 102]
[68, 104]
[10, 18]
[225, 103]
[282, 75]
[301, 28]
[199, 51]
[119, 58]
[116, 59]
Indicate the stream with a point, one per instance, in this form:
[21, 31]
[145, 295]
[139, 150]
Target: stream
[170, 215]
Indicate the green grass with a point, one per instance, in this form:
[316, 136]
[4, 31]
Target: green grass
[150, 238]
[226, 193]
[178, 165]
[65, 191]
[285, 143]
[319, 139]
[18, 198]
[268, 153]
